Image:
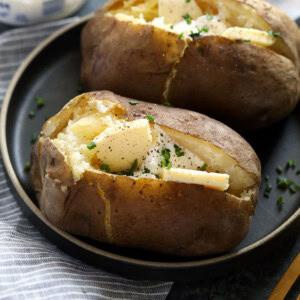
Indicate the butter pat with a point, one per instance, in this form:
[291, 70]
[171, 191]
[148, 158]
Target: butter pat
[87, 128]
[215, 181]
[120, 145]
[258, 37]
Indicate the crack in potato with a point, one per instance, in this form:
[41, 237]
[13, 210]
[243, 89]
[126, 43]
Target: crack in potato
[173, 73]
[107, 214]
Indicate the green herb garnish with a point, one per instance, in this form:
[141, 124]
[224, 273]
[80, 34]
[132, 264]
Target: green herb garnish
[279, 170]
[31, 114]
[187, 1]
[180, 35]
[268, 188]
[188, 19]
[178, 151]
[267, 178]
[283, 182]
[280, 201]
[27, 166]
[171, 26]
[33, 138]
[133, 102]
[298, 172]
[39, 102]
[146, 170]
[203, 29]
[294, 188]
[209, 17]
[247, 41]
[274, 34]
[91, 146]
[133, 168]
[291, 163]
[149, 118]
[105, 168]
[166, 154]
[203, 168]
[167, 104]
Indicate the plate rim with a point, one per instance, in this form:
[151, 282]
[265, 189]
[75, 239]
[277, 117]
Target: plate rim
[98, 251]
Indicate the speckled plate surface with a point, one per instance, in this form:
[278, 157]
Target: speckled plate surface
[52, 71]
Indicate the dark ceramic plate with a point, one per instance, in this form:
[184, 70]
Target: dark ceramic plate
[52, 72]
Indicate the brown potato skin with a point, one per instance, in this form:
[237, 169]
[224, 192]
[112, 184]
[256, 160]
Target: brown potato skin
[166, 217]
[242, 84]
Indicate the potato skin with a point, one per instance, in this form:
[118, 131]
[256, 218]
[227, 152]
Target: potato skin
[166, 217]
[242, 84]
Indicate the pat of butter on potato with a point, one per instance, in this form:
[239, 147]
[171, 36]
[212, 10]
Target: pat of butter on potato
[215, 181]
[119, 146]
[254, 36]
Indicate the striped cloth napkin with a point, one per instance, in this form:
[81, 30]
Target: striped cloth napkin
[30, 266]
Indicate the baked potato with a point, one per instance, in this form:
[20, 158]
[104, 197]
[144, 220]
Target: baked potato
[142, 175]
[235, 60]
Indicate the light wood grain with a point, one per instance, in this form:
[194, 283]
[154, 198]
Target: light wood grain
[287, 281]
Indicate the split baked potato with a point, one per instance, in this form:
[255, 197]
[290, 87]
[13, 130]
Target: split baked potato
[235, 60]
[142, 175]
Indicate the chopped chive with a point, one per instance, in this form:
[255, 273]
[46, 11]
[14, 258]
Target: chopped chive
[203, 168]
[27, 166]
[169, 166]
[268, 188]
[31, 114]
[133, 167]
[267, 178]
[187, 1]
[298, 172]
[171, 26]
[178, 151]
[283, 182]
[39, 102]
[167, 104]
[166, 153]
[149, 118]
[188, 19]
[146, 170]
[274, 34]
[279, 170]
[280, 201]
[209, 17]
[204, 29]
[247, 41]
[163, 163]
[294, 188]
[33, 138]
[105, 168]
[91, 146]
[133, 102]
[194, 34]
[181, 35]
[217, 171]
[291, 163]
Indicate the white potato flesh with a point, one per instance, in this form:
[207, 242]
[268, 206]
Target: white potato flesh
[119, 146]
[174, 10]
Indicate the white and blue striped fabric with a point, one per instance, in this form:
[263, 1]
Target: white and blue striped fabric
[30, 266]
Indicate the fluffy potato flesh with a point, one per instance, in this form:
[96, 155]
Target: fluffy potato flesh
[195, 18]
[106, 142]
